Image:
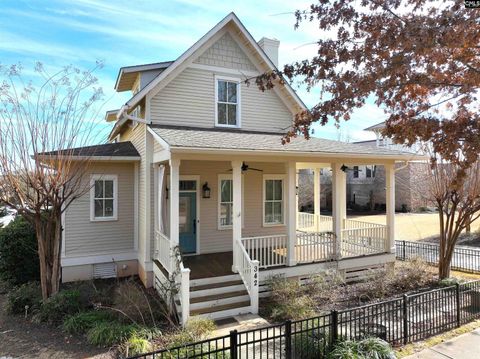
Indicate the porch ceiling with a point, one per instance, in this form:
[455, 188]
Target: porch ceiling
[181, 139]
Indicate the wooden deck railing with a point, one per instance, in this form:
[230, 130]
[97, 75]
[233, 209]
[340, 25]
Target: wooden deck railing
[163, 251]
[269, 251]
[308, 222]
[248, 270]
[364, 241]
[314, 247]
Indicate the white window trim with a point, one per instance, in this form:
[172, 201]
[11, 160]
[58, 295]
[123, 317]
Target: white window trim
[219, 197]
[239, 112]
[96, 177]
[273, 177]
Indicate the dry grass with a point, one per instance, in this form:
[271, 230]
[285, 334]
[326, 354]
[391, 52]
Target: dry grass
[412, 226]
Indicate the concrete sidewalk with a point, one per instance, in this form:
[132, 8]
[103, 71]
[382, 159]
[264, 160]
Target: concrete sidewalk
[465, 346]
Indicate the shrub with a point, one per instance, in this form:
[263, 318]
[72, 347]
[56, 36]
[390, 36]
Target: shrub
[57, 307]
[311, 343]
[25, 298]
[449, 282]
[80, 323]
[140, 341]
[18, 253]
[363, 349]
[106, 334]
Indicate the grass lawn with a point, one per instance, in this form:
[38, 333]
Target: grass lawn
[412, 226]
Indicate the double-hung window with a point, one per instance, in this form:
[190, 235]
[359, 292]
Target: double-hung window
[225, 201]
[103, 197]
[273, 200]
[227, 102]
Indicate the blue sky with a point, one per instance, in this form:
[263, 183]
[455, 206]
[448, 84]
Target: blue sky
[123, 33]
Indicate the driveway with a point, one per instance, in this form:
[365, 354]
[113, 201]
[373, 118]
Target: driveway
[466, 346]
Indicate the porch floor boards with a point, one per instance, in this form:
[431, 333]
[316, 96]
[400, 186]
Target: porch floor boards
[209, 265]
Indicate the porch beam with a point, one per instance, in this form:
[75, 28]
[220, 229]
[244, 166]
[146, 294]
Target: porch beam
[291, 215]
[174, 206]
[236, 206]
[390, 202]
[339, 189]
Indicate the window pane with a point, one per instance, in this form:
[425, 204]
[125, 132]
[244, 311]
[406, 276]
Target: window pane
[108, 189]
[222, 91]
[222, 113]
[277, 192]
[277, 211]
[98, 208]
[268, 212]
[232, 114]
[232, 92]
[269, 190]
[226, 191]
[226, 214]
[109, 208]
[188, 185]
[98, 189]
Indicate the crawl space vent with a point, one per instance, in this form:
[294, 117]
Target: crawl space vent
[104, 270]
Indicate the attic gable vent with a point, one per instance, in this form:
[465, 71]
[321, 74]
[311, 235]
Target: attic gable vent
[104, 270]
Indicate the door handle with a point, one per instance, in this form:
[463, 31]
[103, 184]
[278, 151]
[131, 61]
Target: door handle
[194, 226]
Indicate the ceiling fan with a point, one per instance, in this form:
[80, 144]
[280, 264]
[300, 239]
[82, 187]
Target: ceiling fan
[246, 167]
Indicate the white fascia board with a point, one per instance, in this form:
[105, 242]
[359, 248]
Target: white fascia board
[91, 158]
[160, 140]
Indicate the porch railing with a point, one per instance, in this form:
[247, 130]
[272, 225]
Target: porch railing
[364, 241]
[248, 270]
[355, 224]
[269, 251]
[309, 222]
[162, 250]
[314, 247]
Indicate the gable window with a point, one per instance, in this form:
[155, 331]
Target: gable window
[273, 200]
[227, 102]
[225, 201]
[103, 197]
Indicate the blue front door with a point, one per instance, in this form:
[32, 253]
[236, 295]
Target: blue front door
[188, 222]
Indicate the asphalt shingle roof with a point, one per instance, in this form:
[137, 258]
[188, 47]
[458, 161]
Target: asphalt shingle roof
[188, 137]
[116, 149]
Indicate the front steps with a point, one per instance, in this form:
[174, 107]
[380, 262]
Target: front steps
[218, 297]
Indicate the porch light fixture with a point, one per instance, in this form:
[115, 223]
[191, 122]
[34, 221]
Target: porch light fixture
[206, 190]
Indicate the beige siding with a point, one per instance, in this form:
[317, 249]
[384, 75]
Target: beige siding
[189, 100]
[226, 53]
[83, 237]
[211, 238]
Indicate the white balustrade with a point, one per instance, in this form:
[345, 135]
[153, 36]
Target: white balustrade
[249, 272]
[314, 247]
[269, 251]
[163, 251]
[308, 222]
[183, 281]
[364, 241]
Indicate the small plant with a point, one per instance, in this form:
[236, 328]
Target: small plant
[364, 349]
[140, 341]
[24, 299]
[106, 334]
[59, 306]
[80, 323]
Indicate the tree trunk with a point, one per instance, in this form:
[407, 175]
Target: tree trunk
[49, 238]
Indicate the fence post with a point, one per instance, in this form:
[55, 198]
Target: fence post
[334, 328]
[405, 319]
[288, 339]
[457, 292]
[233, 344]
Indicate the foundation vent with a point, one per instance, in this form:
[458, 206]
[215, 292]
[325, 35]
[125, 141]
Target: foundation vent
[104, 270]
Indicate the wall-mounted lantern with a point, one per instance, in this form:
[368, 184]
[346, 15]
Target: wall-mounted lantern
[206, 190]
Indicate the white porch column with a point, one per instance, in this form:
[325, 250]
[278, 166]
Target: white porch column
[236, 206]
[316, 198]
[291, 215]
[339, 189]
[174, 206]
[390, 199]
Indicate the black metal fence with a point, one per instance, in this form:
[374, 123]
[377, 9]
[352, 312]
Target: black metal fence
[398, 321]
[464, 259]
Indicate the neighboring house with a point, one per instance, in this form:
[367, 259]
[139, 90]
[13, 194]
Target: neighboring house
[196, 166]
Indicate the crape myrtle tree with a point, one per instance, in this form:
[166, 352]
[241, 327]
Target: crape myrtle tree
[37, 180]
[419, 60]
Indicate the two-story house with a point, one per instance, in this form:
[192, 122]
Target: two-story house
[195, 186]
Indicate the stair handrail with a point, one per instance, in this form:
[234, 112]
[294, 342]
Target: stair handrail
[183, 282]
[248, 270]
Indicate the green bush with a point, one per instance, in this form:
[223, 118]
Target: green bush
[106, 334]
[61, 305]
[24, 298]
[81, 323]
[363, 349]
[18, 253]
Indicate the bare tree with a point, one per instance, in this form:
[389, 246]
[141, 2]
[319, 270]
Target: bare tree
[39, 179]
